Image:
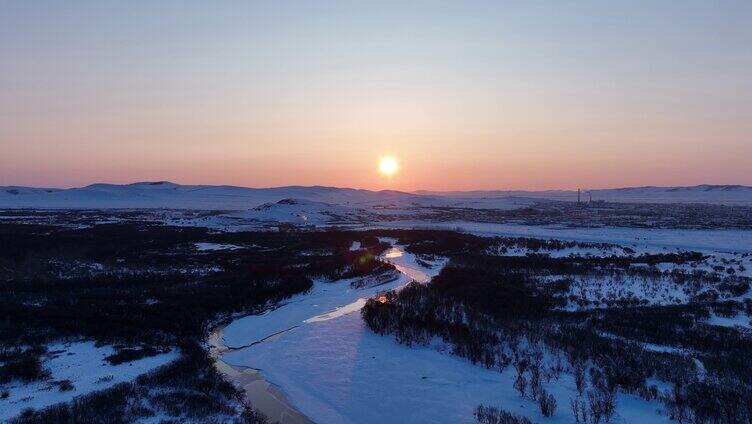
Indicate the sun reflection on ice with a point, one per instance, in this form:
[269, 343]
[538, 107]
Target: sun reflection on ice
[393, 253]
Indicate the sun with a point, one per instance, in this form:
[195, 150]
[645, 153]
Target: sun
[388, 166]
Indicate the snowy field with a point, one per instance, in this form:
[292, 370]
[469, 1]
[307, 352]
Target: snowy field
[646, 238]
[211, 247]
[738, 320]
[336, 370]
[165, 194]
[83, 365]
[318, 352]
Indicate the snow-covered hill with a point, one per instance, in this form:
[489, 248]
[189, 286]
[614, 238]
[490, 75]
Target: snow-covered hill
[714, 194]
[163, 194]
[302, 212]
[718, 194]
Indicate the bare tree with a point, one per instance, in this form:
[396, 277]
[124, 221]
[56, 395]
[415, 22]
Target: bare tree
[547, 403]
[520, 384]
[535, 381]
[596, 411]
[578, 410]
[608, 403]
[579, 377]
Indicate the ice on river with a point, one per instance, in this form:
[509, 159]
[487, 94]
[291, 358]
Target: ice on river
[333, 369]
[338, 371]
[326, 300]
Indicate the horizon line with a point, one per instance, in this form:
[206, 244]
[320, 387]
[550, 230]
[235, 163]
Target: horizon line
[413, 191]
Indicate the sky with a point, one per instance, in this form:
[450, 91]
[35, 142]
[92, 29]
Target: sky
[464, 95]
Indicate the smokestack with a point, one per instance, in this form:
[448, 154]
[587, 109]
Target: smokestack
[578, 195]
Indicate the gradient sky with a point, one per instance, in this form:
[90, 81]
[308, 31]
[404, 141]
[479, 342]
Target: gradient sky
[466, 94]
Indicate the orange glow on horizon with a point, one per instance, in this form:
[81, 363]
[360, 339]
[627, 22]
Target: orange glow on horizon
[458, 97]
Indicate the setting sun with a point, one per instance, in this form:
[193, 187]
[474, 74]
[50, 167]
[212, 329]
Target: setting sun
[388, 166]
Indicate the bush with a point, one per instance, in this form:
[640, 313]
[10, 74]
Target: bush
[547, 404]
[65, 385]
[520, 384]
[130, 355]
[491, 415]
[25, 366]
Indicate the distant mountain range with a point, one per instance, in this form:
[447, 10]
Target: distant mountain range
[163, 194]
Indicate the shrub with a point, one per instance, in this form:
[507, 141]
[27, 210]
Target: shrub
[520, 384]
[65, 385]
[25, 367]
[547, 403]
[491, 415]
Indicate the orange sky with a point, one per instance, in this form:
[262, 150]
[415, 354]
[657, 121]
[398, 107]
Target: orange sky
[487, 96]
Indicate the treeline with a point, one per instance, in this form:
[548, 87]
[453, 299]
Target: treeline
[498, 312]
[36, 252]
[162, 308]
[605, 214]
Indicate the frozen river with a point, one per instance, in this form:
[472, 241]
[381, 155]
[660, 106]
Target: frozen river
[314, 359]
[326, 301]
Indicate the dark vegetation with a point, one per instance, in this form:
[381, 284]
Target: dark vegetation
[146, 289]
[501, 312]
[189, 389]
[157, 292]
[491, 415]
[132, 354]
[598, 214]
[22, 364]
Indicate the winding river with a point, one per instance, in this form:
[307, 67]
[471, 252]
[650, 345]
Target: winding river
[326, 301]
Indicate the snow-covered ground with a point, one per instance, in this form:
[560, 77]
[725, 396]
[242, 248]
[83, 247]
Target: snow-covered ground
[81, 363]
[210, 247]
[704, 193]
[739, 320]
[315, 348]
[721, 240]
[301, 212]
[164, 194]
[336, 370]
